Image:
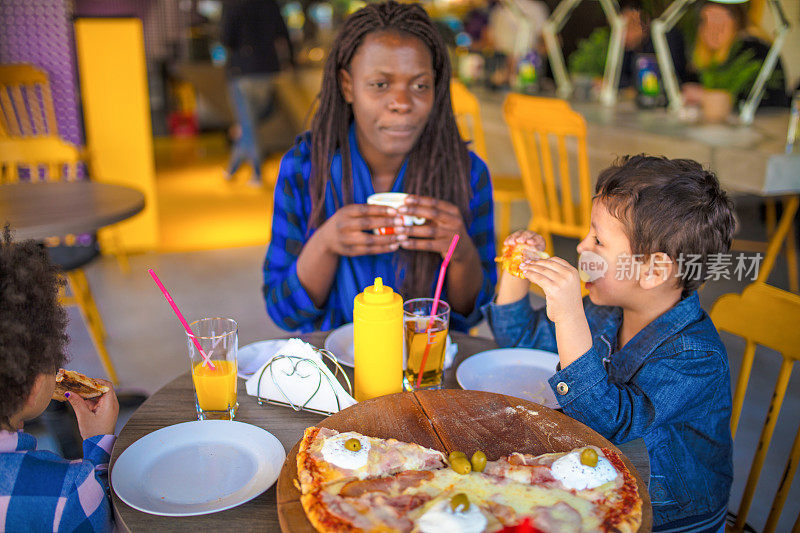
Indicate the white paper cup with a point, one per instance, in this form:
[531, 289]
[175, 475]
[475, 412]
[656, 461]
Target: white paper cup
[393, 199]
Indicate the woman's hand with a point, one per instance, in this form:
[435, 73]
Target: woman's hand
[350, 230]
[96, 416]
[443, 221]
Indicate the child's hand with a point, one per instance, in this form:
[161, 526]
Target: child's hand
[97, 416]
[524, 236]
[511, 288]
[561, 284]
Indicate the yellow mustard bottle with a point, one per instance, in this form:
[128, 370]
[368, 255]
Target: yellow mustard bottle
[378, 341]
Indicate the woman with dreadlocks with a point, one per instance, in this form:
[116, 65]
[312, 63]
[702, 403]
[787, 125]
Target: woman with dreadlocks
[384, 123]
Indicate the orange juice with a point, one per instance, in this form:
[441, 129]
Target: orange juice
[416, 338]
[215, 387]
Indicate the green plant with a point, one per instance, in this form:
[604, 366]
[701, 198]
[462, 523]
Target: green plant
[733, 76]
[590, 57]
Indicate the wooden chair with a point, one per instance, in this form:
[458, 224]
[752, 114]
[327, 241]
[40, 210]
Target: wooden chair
[50, 158]
[536, 124]
[505, 189]
[27, 112]
[768, 316]
[26, 104]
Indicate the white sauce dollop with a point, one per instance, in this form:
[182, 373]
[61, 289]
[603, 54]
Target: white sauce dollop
[575, 475]
[441, 519]
[334, 452]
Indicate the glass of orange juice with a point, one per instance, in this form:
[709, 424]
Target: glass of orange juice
[215, 379]
[423, 333]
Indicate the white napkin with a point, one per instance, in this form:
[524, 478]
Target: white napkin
[299, 379]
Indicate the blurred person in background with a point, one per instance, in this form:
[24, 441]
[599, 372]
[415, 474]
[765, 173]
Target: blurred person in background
[722, 36]
[637, 41]
[258, 43]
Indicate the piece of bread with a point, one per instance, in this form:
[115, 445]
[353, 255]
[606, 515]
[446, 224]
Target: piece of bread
[76, 383]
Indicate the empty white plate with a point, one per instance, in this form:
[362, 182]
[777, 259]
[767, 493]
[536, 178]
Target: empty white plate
[197, 468]
[251, 357]
[520, 372]
[340, 343]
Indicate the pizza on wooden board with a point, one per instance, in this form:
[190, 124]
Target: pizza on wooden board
[352, 482]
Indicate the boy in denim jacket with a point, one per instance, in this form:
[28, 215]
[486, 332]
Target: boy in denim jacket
[40, 491]
[639, 357]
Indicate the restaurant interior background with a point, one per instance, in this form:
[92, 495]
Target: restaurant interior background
[141, 84]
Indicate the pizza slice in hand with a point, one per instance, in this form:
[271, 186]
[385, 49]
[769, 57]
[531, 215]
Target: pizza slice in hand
[76, 383]
[513, 256]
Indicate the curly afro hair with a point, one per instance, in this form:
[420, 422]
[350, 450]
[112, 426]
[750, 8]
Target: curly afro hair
[32, 323]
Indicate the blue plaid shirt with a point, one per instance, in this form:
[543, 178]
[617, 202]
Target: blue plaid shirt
[40, 491]
[288, 303]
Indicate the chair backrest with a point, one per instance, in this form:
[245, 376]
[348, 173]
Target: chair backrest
[38, 159]
[26, 104]
[536, 125]
[770, 317]
[467, 110]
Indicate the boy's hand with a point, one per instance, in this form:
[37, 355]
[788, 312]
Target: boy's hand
[96, 416]
[511, 288]
[524, 236]
[561, 284]
[562, 288]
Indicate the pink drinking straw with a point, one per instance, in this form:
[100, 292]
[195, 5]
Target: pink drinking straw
[206, 359]
[436, 296]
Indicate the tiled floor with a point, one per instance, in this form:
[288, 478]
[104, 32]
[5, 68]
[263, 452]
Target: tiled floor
[148, 345]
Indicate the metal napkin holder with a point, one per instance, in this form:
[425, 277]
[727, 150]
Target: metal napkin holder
[314, 366]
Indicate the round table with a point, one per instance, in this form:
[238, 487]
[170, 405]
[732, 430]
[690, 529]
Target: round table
[56, 208]
[174, 403]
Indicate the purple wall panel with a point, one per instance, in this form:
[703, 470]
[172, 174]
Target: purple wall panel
[40, 33]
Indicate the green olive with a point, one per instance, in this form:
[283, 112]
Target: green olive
[352, 444]
[455, 454]
[459, 503]
[589, 457]
[478, 461]
[461, 465]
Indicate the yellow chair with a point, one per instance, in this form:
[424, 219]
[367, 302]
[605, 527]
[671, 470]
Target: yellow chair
[27, 112]
[26, 105]
[505, 189]
[768, 316]
[50, 158]
[536, 124]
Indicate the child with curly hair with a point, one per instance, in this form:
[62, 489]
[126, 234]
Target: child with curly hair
[40, 491]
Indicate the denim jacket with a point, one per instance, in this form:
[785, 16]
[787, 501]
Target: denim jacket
[669, 385]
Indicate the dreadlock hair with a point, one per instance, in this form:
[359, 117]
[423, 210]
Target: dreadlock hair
[438, 164]
[32, 323]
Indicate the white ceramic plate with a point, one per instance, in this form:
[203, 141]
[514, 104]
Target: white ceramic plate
[251, 357]
[340, 343]
[197, 468]
[519, 372]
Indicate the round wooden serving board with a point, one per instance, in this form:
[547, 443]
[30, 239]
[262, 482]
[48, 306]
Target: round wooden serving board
[449, 420]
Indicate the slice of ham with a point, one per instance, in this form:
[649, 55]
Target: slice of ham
[389, 484]
[534, 474]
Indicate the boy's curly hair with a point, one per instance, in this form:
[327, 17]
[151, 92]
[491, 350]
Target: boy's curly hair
[32, 323]
[674, 206]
